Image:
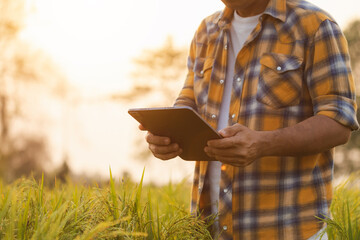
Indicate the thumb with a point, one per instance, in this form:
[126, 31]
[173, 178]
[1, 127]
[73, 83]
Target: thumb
[231, 130]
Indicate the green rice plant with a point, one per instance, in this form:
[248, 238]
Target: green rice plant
[121, 210]
[345, 211]
[30, 210]
[115, 207]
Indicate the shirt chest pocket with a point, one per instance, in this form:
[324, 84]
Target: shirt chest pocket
[202, 75]
[280, 80]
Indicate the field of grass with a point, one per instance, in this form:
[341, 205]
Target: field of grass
[345, 210]
[125, 210]
[118, 210]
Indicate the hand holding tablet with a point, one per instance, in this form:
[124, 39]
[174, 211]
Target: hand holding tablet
[182, 125]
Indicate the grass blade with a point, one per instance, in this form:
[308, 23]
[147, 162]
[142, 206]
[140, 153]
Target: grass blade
[115, 206]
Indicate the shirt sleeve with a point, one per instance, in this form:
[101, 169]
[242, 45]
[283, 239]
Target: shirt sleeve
[329, 78]
[186, 96]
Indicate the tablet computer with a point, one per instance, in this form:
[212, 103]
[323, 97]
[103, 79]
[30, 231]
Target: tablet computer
[182, 125]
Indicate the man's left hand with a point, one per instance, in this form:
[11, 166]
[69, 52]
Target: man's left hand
[239, 147]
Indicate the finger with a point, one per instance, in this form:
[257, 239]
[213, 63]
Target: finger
[224, 152]
[159, 149]
[228, 142]
[141, 127]
[231, 130]
[168, 156]
[209, 153]
[157, 140]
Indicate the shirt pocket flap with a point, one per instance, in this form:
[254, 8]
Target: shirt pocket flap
[203, 67]
[281, 62]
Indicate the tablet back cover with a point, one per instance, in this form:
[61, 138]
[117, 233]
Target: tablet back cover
[184, 127]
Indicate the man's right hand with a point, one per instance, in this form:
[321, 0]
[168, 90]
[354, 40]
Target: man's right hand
[161, 147]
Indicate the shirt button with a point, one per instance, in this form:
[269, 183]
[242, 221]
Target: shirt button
[238, 79]
[213, 116]
[226, 190]
[221, 81]
[202, 72]
[225, 228]
[226, 46]
[199, 189]
[278, 68]
[233, 116]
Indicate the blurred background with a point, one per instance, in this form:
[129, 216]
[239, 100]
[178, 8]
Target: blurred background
[70, 70]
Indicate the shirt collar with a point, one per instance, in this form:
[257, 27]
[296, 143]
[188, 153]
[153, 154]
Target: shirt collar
[275, 8]
[224, 17]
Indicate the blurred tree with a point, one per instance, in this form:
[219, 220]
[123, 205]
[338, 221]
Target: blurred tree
[21, 68]
[63, 172]
[25, 157]
[158, 72]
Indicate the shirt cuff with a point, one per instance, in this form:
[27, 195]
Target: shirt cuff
[339, 108]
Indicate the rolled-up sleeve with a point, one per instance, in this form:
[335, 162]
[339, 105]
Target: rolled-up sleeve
[329, 78]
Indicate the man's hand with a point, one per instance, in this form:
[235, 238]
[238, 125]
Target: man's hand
[161, 147]
[239, 147]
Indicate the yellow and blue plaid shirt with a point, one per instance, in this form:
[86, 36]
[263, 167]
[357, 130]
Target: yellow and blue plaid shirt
[294, 65]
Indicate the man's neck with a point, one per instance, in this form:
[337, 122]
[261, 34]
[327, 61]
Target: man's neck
[254, 9]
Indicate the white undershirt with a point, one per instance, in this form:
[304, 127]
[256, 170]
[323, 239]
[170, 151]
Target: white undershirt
[239, 32]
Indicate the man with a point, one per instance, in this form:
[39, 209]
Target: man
[273, 76]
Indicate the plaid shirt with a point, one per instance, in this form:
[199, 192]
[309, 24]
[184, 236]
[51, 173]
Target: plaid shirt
[294, 65]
